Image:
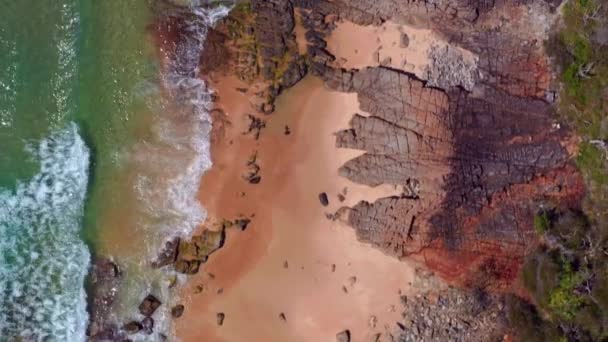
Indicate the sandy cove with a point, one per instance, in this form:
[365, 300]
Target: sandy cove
[284, 261]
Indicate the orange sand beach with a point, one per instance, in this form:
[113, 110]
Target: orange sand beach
[292, 262]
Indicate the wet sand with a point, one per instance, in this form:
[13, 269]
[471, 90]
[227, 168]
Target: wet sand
[291, 259]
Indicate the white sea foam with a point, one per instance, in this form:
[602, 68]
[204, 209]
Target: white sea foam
[174, 162]
[182, 153]
[43, 262]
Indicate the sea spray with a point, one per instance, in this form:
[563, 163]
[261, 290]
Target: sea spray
[43, 262]
[169, 164]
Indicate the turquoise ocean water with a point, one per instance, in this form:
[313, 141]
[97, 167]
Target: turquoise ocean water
[95, 158]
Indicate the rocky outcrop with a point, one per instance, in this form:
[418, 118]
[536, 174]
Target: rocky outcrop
[477, 152]
[104, 278]
[452, 315]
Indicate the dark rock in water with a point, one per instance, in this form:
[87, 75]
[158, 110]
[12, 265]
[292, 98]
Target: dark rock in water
[220, 318]
[168, 255]
[242, 223]
[105, 277]
[201, 246]
[343, 336]
[324, 199]
[149, 305]
[148, 325]
[177, 311]
[132, 327]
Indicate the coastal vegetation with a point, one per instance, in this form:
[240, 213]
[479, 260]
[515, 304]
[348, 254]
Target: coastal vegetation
[567, 276]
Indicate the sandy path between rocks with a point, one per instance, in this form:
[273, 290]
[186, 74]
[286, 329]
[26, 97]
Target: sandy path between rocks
[284, 261]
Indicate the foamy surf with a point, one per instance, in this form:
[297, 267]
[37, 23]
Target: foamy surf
[43, 261]
[170, 165]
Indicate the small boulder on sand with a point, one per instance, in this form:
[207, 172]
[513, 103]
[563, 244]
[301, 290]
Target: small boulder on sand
[343, 336]
[404, 42]
[323, 199]
[220, 318]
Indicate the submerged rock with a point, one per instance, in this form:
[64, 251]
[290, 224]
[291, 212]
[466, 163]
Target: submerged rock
[220, 318]
[148, 325]
[105, 277]
[149, 305]
[168, 254]
[132, 327]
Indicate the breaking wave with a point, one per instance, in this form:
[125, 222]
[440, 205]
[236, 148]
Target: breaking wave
[43, 261]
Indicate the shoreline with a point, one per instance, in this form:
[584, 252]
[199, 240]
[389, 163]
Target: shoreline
[311, 280]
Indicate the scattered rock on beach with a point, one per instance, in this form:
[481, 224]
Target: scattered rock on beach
[404, 41]
[343, 336]
[341, 198]
[253, 172]
[220, 318]
[255, 126]
[282, 317]
[149, 305]
[177, 311]
[242, 223]
[287, 130]
[324, 199]
[199, 289]
[285, 264]
[132, 327]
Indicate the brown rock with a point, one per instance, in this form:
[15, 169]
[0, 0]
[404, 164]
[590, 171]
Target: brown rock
[282, 317]
[187, 267]
[149, 305]
[177, 311]
[132, 327]
[168, 254]
[220, 318]
[323, 199]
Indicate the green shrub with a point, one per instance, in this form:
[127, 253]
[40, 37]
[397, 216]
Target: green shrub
[542, 222]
